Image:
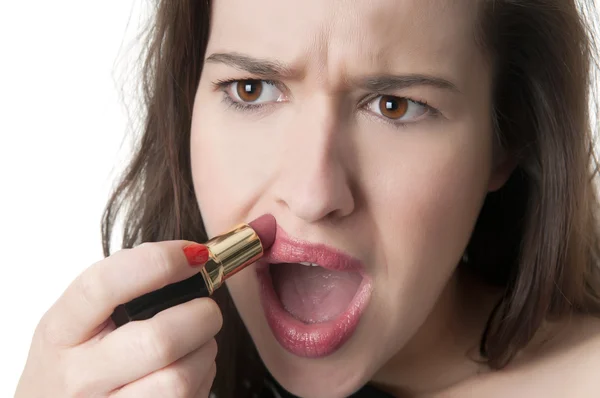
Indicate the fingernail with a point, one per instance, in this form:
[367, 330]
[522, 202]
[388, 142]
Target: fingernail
[196, 254]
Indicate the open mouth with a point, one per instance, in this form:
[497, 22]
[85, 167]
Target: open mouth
[311, 293]
[313, 296]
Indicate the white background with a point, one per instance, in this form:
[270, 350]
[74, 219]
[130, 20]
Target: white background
[62, 125]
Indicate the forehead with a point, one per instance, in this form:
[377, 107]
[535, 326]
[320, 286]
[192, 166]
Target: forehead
[356, 36]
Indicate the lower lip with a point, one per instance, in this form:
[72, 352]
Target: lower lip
[310, 340]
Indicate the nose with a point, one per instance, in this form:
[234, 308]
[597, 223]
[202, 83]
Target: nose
[314, 181]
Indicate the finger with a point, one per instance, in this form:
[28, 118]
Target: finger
[180, 379]
[142, 347]
[118, 279]
[206, 386]
[104, 330]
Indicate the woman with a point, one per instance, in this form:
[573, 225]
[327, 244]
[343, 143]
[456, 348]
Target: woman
[443, 148]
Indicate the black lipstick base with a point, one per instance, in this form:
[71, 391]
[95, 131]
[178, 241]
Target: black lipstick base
[150, 304]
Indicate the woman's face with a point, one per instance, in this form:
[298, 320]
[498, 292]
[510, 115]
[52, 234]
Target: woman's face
[364, 128]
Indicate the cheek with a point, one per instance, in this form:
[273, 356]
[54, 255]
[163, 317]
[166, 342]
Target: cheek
[428, 202]
[424, 200]
[228, 170]
[213, 182]
[228, 164]
[444, 201]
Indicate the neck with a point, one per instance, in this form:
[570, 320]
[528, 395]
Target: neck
[445, 350]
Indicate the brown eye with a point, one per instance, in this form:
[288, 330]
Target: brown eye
[393, 107]
[249, 90]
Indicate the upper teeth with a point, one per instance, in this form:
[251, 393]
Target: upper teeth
[310, 264]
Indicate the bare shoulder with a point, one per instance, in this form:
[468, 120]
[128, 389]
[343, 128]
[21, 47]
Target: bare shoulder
[571, 361]
[562, 361]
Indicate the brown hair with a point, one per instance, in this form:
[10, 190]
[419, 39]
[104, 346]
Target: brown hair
[537, 236]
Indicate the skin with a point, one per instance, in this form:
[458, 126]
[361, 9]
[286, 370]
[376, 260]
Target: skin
[77, 352]
[403, 200]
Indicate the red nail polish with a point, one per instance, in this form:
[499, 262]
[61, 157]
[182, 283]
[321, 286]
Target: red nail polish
[196, 254]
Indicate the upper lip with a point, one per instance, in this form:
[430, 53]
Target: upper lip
[287, 249]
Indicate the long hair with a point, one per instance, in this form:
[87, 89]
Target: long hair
[537, 237]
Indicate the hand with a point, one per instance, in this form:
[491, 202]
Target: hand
[77, 352]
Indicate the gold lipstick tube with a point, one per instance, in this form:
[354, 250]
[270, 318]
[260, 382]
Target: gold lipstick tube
[229, 253]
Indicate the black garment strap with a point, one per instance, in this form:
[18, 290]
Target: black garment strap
[274, 390]
[369, 391]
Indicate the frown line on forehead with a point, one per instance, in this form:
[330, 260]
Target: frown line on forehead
[277, 70]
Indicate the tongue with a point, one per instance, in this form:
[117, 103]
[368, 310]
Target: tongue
[314, 294]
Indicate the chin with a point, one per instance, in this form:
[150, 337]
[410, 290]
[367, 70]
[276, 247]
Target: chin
[337, 373]
[330, 377]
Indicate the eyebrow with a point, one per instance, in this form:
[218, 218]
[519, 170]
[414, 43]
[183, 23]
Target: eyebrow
[379, 83]
[391, 82]
[259, 67]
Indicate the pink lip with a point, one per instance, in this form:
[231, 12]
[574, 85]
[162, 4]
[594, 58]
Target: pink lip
[318, 339]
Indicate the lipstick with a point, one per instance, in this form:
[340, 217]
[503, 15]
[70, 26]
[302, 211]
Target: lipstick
[313, 296]
[229, 253]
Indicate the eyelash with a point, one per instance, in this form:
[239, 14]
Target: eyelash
[221, 85]
[431, 111]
